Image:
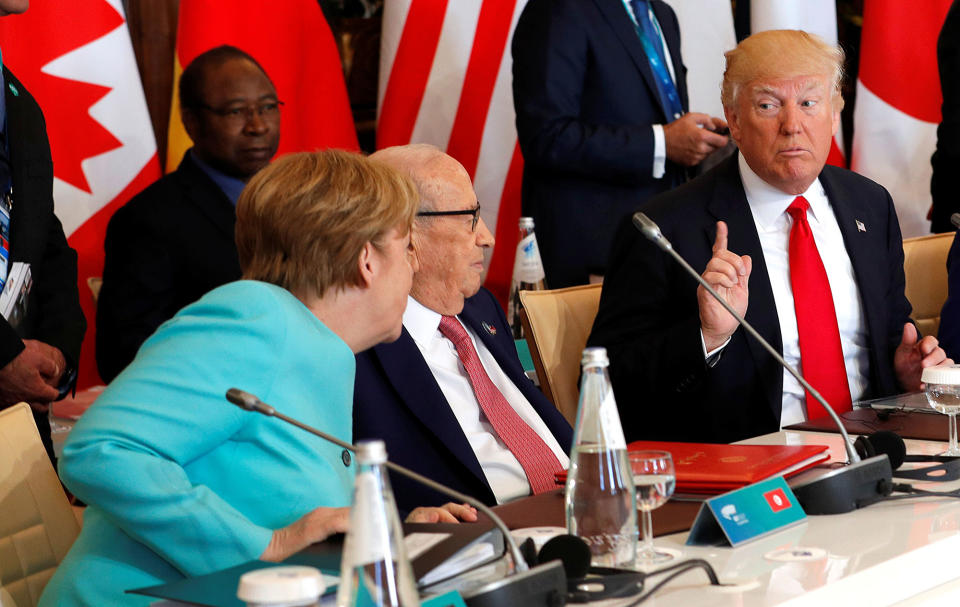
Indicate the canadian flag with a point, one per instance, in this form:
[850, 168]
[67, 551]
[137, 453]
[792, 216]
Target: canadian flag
[815, 16]
[445, 79]
[77, 60]
[898, 103]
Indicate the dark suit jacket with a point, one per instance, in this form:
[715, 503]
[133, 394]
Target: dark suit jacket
[649, 322]
[166, 248]
[396, 399]
[36, 237]
[949, 332]
[946, 158]
[585, 98]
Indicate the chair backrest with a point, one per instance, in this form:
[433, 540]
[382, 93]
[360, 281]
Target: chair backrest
[925, 268]
[37, 524]
[557, 324]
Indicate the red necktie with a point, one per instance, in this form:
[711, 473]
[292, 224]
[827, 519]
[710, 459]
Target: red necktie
[535, 457]
[821, 356]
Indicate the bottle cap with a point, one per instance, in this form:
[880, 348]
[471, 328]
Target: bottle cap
[289, 586]
[941, 375]
[526, 223]
[371, 452]
[595, 357]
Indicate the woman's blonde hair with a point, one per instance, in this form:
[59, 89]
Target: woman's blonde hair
[303, 220]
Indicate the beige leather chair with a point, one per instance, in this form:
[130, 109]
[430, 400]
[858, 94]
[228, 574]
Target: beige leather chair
[37, 525]
[925, 268]
[556, 324]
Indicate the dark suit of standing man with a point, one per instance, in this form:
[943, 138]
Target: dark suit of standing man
[946, 158]
[681, 367]
[173, 242]
[38, 358]
[401, 387]
[586, 101]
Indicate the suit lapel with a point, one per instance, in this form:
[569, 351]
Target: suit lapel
[404, 366]
[23, 163]
[854, 219]
[207, 196]
[481, 319]
[616, 16]
[730, 204]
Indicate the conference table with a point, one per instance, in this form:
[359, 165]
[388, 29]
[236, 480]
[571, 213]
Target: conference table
[904, 552]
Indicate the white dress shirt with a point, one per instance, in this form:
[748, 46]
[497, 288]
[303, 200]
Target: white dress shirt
[769, 208]
[659, 142]
[504, 473]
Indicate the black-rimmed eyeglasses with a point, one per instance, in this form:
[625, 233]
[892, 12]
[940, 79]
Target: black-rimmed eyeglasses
[269, 110]
[474, 211]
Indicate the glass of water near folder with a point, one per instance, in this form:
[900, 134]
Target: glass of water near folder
[655, 480]
[942, 389]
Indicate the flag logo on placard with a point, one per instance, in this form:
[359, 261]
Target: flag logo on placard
[777, 500]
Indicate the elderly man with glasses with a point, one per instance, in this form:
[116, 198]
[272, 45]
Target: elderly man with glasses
[173, 242]
[450, 397]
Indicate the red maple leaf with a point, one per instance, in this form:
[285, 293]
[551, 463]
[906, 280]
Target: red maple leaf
[32, 40]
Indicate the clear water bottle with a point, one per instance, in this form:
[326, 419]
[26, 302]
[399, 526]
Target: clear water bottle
[528, 274]
[600, 495]
[374, 569]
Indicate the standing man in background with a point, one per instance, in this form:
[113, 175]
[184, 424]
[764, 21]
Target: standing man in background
[946, 158]
[39, 353]
[600, 94]
[173, 242]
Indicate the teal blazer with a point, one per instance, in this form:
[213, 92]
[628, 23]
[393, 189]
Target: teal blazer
[179, 482]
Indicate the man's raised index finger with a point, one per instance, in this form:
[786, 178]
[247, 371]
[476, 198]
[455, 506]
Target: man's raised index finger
[720, 243]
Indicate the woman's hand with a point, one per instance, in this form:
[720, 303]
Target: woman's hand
[447, 513]
[314, 526]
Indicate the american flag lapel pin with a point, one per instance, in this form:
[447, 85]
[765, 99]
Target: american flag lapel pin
[860, 226]
[492, 330]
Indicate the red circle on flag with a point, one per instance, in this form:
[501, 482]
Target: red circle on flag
[898, 54]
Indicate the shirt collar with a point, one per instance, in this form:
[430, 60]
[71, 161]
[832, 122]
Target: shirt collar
[231, 186]
[421, 322]
[769, 204]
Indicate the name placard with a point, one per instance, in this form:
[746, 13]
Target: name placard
[746, 514]
[450, 599]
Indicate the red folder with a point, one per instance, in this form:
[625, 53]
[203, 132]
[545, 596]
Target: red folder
[707, 468]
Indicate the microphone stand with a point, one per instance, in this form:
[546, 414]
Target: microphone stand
[867, 471]
[545, 582]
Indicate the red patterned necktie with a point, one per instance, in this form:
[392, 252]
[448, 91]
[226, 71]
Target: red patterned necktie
[537, 459]
[821, 355]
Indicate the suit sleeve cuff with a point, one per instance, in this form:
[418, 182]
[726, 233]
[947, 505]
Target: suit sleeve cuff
[713, 356]
[659, 151]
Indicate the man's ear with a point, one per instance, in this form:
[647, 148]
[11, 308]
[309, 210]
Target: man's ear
[191, 122]
[368, 264]
[733, 122]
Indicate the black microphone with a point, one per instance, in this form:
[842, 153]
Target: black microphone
[945, 469]
[955, 220]
[545, 584]
[856, 485]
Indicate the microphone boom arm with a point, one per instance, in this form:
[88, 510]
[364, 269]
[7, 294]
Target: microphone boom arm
[248, 401]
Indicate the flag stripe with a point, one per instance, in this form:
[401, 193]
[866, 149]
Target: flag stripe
[411, 68]
[486, 58]
[507, 232]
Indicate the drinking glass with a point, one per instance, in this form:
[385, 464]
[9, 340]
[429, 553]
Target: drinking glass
[942, 387]
[655, 479]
